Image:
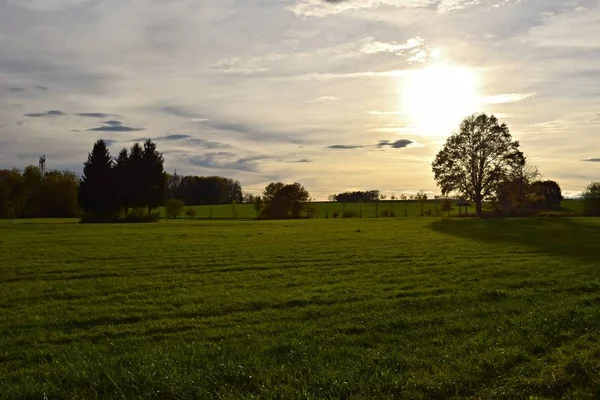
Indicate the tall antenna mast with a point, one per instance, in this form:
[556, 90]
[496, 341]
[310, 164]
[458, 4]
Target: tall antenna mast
[43, 164]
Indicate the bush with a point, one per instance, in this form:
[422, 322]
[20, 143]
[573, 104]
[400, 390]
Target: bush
[335, 215]
[350, 214]
[309, 211]
[174, 208]
[429, 212]
[190, 212]
[388, 213]
[591, 199]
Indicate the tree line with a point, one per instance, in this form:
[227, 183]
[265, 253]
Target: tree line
[480, 162]
[33, 194]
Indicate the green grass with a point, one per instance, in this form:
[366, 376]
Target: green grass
[327, 209]
[411, 308]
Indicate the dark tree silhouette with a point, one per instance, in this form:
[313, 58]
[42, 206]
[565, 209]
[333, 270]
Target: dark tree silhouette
[123, 180]
[591, 199]
[97, 190]
[153, 175]
[135, 178]
[357, 197]
[548, 194]
[476, 158]
[284, 201]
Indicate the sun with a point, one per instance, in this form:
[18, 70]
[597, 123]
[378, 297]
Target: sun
[436, 98]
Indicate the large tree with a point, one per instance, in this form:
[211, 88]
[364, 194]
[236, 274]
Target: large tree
[284, 201]
[154, 175]
[477, 158]
[122, 169]
[97, 192]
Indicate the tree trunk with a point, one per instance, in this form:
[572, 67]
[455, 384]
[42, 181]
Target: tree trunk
[478, 205]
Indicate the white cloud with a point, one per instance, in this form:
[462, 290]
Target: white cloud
[322, 99]
[507, 98]
[391, 47]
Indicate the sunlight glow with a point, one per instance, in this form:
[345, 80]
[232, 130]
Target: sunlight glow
[438, 97]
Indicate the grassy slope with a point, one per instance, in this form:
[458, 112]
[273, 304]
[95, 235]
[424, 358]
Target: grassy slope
[415, 308]
[370, 210]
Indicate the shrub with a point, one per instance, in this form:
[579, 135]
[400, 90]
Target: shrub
[429, 212]
[350, 214]
[190, 212]
[174, 208]
[309, 211]
[335, 215]
[388, 213]
[591, 199]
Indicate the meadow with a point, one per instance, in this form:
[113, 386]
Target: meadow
[410, 308]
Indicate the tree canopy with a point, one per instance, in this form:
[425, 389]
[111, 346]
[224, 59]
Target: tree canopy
[476, 158]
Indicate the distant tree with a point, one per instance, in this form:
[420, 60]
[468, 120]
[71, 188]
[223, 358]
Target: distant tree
[357, 196]
[421, 197]
[447, 206]
[234, 191]
[172, 184]
[271, 191]
[12, 198]
[153, 175]
[515, 192]
[190, 212]
[331, 197]
[591, 199]
[122, 167]
[59, 193]
[174, 207]
[284, 201]
[393, 197]
[403, 197]
[137, 183]
[548, 194]
[249, 198]
[97, 191]
[476, 158]
[258, 205]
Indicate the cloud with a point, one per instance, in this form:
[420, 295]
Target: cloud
[118, 128]
[109, 142]
[113, 123]
[391, 47]
[96, 115]
[228, 161]
[507, 98]
[395, 144]
[323, 98]
[343, 147]
[51, 113]
[592, 160]
[42, 88]
[188, 139]
[16, 89]
[304, 160]
[239, 65]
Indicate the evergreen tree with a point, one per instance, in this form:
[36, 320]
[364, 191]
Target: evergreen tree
[122, 177]
[97, 189]
[154, 175]
[136, 178]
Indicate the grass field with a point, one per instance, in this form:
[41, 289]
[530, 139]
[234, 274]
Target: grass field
[415, 308]
[327, 209]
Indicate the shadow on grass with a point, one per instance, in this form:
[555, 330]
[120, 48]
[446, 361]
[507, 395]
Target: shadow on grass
[577, 238]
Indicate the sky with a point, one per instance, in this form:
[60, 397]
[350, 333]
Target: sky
[338, 95]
